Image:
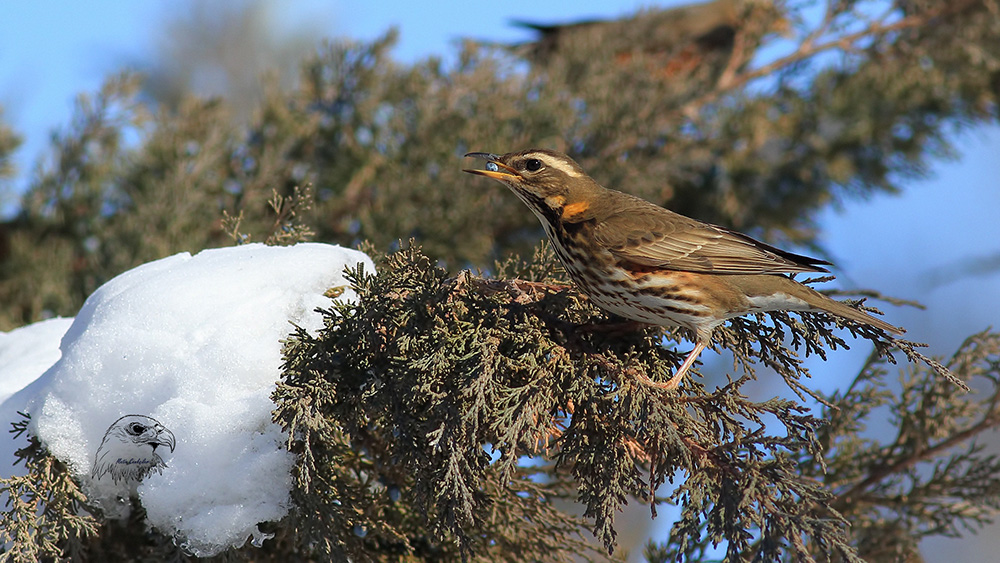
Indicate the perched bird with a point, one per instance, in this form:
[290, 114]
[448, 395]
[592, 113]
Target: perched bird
[694, 41]
[128, 450]
[648, 264]
[698, 28]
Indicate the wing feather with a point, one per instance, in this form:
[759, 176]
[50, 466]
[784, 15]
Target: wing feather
[649, 235]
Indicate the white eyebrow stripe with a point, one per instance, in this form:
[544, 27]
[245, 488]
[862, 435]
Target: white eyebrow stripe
[559, 165]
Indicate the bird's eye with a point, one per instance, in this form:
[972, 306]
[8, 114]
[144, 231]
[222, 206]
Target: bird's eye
[533, 164]
[136, 428]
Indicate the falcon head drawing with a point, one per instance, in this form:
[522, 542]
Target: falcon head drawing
[128, 451]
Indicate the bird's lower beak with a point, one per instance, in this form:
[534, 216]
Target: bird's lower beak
[496, 175]
[494, 168]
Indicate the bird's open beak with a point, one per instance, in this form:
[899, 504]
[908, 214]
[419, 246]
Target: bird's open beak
[494, 168]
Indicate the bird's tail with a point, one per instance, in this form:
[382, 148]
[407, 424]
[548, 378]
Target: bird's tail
[819, 301]
[777, 292]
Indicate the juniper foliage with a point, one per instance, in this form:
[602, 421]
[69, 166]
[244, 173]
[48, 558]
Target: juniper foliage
[42, 517]
[460, 391]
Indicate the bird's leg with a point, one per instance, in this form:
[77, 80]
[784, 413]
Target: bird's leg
[678, 376]
[674, 381]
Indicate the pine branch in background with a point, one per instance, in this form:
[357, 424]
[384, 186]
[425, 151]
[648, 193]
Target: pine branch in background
[9, 142]
[287, 228]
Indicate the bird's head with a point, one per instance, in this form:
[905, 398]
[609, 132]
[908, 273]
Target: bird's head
[552, 184]
[138, 429]
[128, 450]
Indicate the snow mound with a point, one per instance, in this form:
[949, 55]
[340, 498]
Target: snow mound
[194, 342]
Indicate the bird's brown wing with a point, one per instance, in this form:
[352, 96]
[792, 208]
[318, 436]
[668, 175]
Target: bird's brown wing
[648, 235]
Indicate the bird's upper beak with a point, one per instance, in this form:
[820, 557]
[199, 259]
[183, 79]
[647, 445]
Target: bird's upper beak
[494, 168]
[164, 437]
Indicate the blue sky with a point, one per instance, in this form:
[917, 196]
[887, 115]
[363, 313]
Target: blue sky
[52, 50]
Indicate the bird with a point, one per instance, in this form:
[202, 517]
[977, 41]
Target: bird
[696, 27]
[648, 264]
[690, 41]
[128, 451]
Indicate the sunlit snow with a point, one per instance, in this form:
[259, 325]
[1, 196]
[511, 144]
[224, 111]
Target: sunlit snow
[194, 343]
